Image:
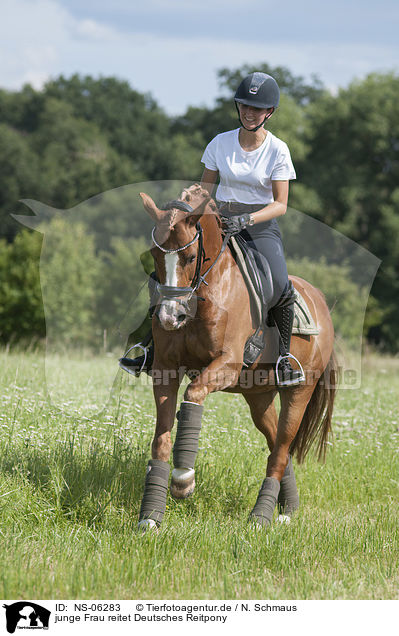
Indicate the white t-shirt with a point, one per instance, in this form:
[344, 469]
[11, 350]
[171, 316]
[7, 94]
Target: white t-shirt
[246, 177]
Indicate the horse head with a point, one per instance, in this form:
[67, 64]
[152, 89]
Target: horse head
[178, 253]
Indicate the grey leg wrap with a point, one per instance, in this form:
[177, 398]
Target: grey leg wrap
[153, 504]
[266, 501]
[187, 437]
[288, 498]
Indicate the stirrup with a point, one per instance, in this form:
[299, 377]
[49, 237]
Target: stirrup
[129, 369]
[295, 381]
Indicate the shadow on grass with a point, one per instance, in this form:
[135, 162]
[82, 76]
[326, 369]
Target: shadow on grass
[87, 485]
[81, 485]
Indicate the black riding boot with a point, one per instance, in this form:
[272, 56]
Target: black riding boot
[284, 318]
[135, 366]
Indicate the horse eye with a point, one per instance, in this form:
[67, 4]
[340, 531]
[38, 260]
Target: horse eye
[191, 259]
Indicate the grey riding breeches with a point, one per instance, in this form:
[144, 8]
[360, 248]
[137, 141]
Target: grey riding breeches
[265, 238]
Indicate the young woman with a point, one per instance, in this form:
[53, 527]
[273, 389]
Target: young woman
[254, 168]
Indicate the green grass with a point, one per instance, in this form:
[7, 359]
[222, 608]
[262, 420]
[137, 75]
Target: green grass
[71, 484]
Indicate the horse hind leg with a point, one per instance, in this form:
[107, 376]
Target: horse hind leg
[293, 406]
[264, 416]
[288, 496]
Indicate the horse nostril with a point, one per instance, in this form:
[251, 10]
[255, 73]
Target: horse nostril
[181, 317]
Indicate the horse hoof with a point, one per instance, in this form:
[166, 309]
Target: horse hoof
[258, 523]
[183, 483]
[144, 525]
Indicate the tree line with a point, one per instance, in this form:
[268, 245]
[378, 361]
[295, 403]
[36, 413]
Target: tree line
[80, 136]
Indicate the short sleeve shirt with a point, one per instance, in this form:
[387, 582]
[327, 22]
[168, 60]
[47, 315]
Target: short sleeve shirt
[246, 177]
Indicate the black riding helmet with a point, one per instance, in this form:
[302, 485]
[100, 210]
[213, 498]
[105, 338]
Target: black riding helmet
[260, 91]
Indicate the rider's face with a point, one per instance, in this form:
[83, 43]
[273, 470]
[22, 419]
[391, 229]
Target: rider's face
[251, 116]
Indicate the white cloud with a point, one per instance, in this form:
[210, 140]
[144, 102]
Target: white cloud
[92, 30]
[36, 79]
[40, 39]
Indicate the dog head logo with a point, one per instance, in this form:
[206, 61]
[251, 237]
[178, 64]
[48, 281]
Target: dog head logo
[26, 615]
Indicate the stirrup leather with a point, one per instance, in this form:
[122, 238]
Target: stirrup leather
[130, 369]
[289, 382]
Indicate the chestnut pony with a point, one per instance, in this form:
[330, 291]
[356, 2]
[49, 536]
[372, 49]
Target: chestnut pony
[201, 323]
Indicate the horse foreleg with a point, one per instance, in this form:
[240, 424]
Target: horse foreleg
[185, 449]
[153, 504]
[218, 375]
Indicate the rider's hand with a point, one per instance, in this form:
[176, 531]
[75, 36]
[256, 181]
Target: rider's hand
[234, 224]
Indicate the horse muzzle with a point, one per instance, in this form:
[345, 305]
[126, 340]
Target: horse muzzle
[174, 312]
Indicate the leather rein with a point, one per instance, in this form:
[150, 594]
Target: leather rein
[174, 293]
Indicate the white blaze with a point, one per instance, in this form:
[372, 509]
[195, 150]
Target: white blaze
[167, 312]
[171, 261]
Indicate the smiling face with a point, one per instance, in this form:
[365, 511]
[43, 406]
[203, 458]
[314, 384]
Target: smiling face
[252, 117]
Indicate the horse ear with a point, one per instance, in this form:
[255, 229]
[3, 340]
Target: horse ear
[150, 207]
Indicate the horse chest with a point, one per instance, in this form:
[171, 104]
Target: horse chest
[201, 344]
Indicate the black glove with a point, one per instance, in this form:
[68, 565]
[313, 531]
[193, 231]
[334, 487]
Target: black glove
[234, 224]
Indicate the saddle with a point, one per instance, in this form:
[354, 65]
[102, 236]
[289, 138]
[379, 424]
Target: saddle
[255, 270]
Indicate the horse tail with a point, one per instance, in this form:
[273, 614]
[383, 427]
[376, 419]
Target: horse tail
[316, 421]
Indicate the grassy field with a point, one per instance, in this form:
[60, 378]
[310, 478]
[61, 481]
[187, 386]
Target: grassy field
[71, 486]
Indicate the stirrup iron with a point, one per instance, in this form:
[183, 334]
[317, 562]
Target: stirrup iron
[130, 369]
[289, 382]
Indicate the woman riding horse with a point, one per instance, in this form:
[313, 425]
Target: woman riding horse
[254, 168]
[201, 323]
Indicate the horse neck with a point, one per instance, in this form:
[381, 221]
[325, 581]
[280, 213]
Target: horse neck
[213, 241]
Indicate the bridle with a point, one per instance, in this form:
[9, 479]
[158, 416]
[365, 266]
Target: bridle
[176, 293]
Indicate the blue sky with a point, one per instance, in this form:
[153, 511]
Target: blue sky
[173, 48]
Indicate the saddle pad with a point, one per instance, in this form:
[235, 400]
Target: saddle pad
[304, 324]
[303, 321]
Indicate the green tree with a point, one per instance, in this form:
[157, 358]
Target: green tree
[75, 157]
[133, 123]
[19, 173]
[21, 305]
[353, 164]
[69, 276]
[123, 301]
[347, 300]
[21, 109]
